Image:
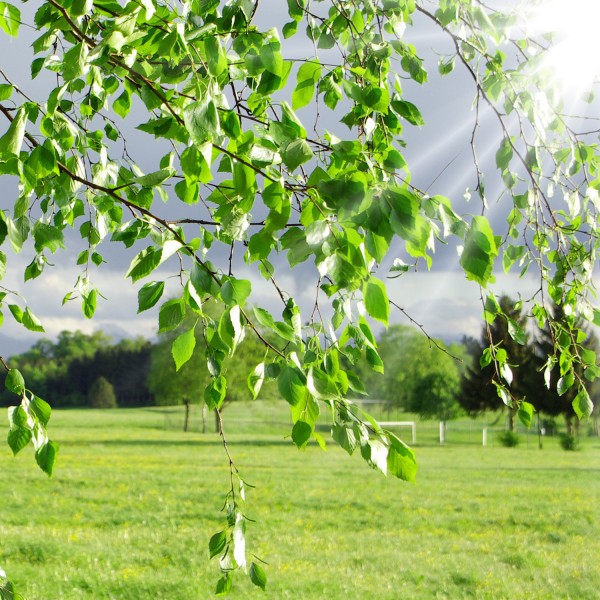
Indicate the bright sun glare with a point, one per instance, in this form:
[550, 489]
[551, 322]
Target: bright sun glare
[573, 63]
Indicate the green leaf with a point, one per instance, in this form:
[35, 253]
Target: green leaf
[201, 279]
[41, 409]
[296, 9]
[258, 575]
[47, 236]
[46, 457]
[202, 120]
[376, 299]
[308, 77]
[401, 460]
[10, 142]
[31, 322]
[565, 383]
[256, 379]
[10, 18]
[264, 317]
[244, 179]
[171, 315]
[217, 543]
[376, 455]
[183, 347]
[6, 91]
[150, 294]
[224, 585]
[14, 382]
[526, 413]
[18, 438]
[504, 154]
[409, 111]
[18, 231]
[74, 63]
[16, 312]
[321, 385]
[155, 178]
[516, 332]
[235, 291]
[446, 67]
[215, 392]
[480, 252]
[301, 433]
[291, 384]
[79, 8]
[374, 360]
[122, 105]
[89, 304]
[296, 153]
[582, 404]
[345, 437]
[216, 58]
[144, 263]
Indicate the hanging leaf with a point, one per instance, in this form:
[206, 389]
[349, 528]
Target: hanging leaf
[183, 347]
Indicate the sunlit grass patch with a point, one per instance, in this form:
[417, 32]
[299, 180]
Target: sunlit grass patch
[130, 509]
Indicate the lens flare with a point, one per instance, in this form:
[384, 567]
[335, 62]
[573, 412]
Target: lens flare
[571, 63]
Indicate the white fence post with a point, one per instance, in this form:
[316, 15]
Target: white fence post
[485, 431]
[442, 432]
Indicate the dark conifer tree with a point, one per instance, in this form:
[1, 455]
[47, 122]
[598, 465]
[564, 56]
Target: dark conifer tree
[478, 393]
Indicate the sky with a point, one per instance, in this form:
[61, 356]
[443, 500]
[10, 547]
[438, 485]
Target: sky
[439, 156]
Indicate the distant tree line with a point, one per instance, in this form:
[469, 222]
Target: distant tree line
[66, 371]
[81, 369]
[422, 375]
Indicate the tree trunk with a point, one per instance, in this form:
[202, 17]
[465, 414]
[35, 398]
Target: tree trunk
[569, 424]
[186, 421]
[510, 419]
[204, 411]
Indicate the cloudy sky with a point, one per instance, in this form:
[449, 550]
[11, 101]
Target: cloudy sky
[438, 154]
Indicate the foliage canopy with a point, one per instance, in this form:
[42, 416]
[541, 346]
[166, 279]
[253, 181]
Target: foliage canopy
[245, 179]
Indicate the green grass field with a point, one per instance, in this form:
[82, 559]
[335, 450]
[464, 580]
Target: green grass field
[133, 502]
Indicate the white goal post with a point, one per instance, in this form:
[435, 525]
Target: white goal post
[411, 424]
[388, 424]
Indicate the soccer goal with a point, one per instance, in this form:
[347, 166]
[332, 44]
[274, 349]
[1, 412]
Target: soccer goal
[394, 424]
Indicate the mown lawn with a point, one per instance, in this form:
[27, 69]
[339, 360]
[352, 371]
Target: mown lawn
[131, 507]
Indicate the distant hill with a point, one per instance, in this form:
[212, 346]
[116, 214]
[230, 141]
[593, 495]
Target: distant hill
[9, 346]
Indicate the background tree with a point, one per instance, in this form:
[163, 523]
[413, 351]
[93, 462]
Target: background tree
[421, 376]
[193, 377]
[125, 364]
[47, 365]
[554, 395]
[503, 352]
[101, 394]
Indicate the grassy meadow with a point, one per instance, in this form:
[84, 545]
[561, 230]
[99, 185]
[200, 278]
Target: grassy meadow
[133, 502]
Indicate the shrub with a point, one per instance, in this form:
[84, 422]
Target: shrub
[509, 439]
[101, 394]
[569, 442]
